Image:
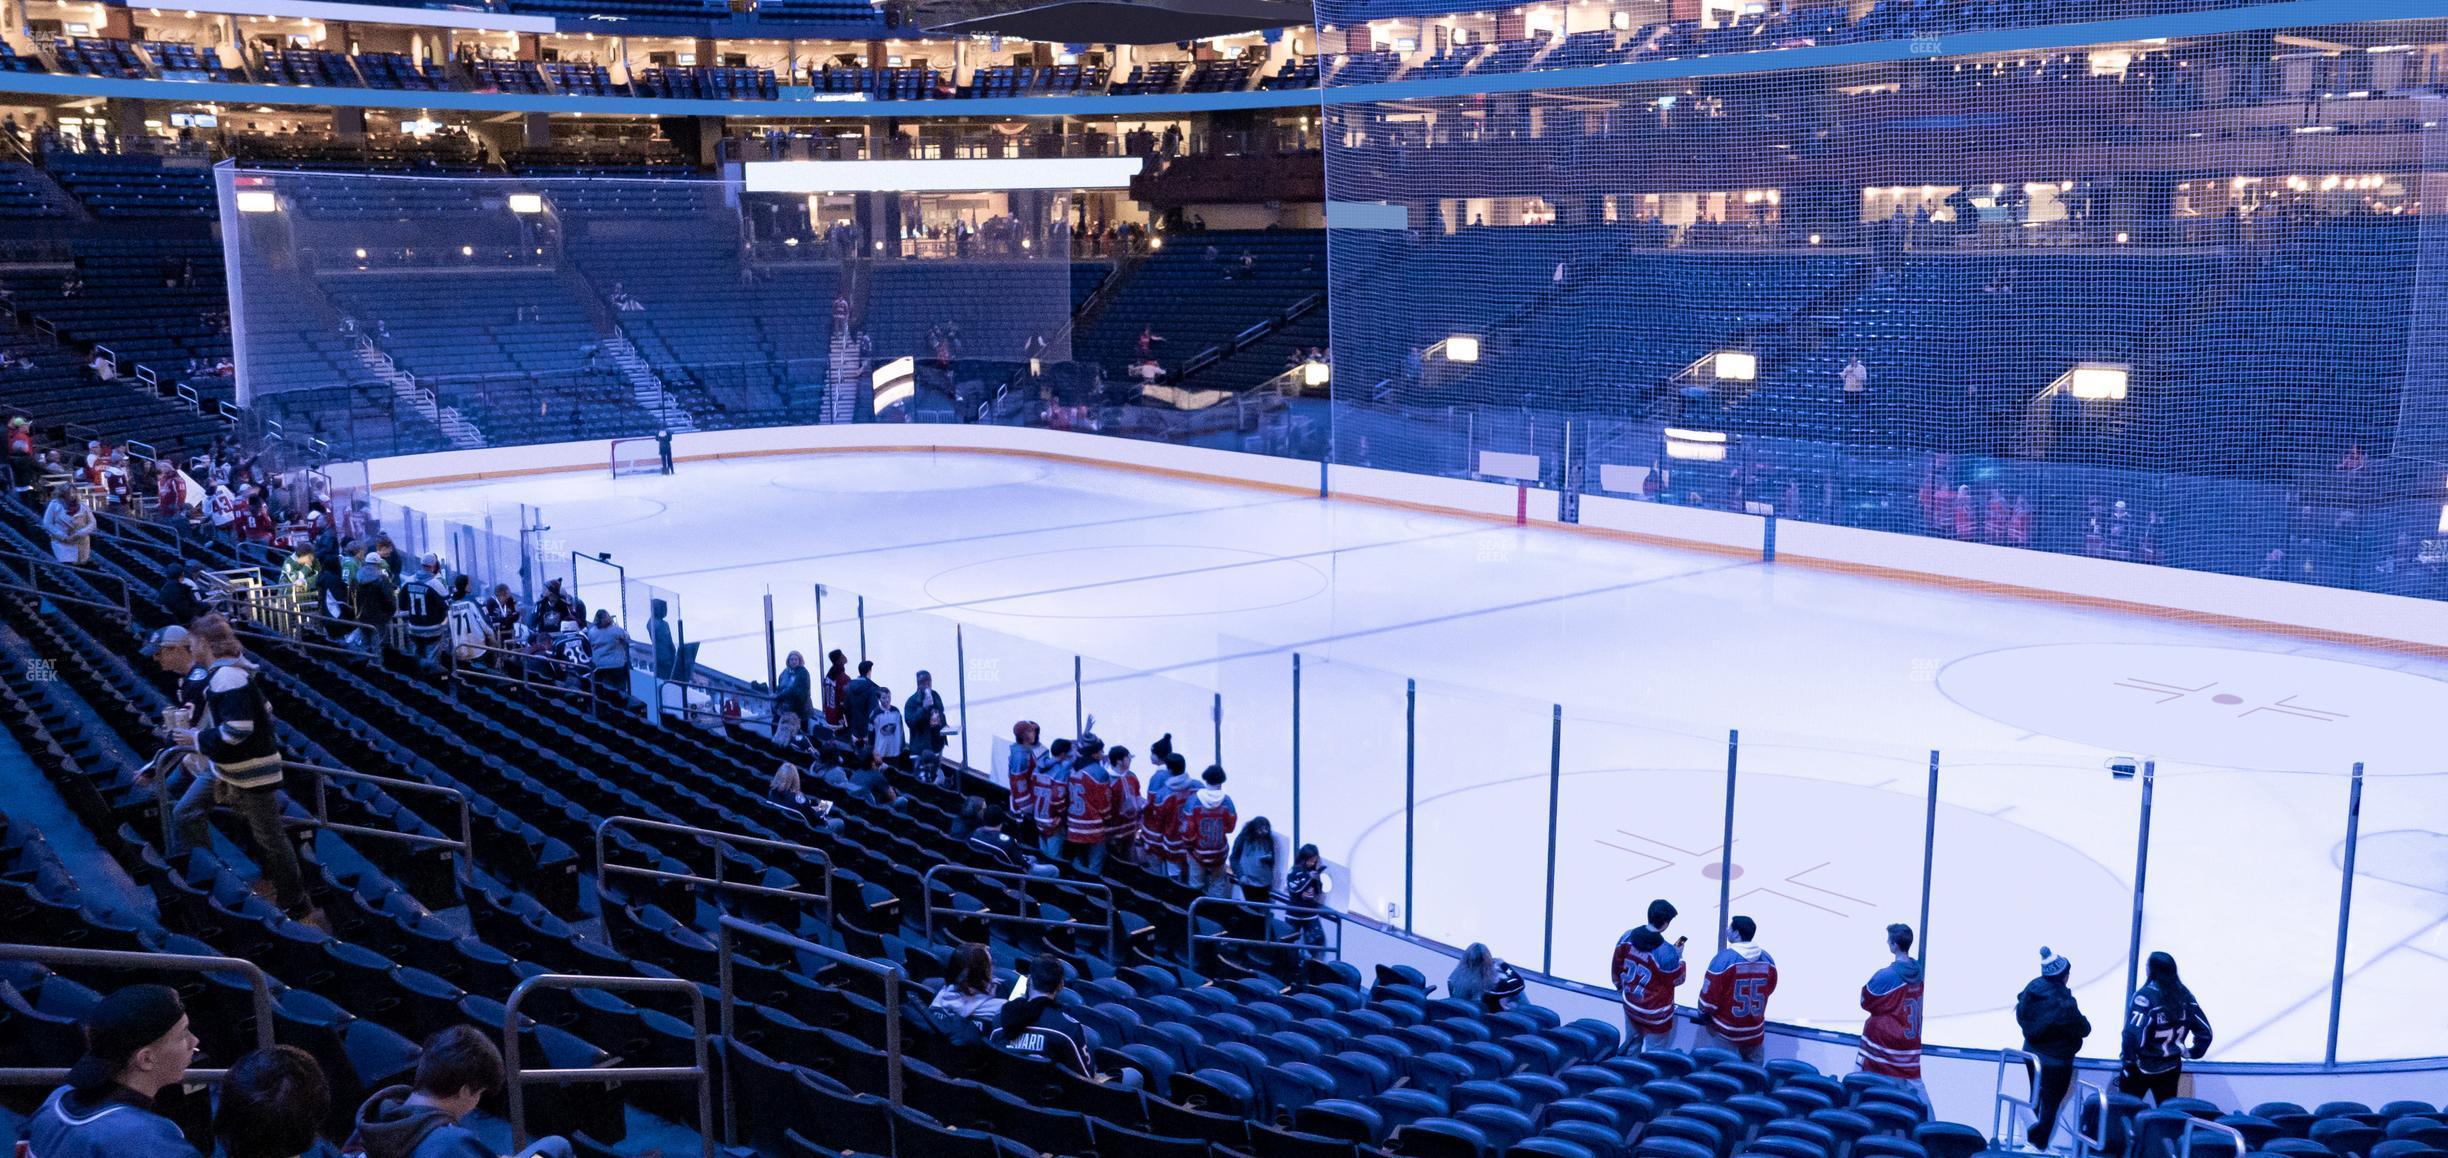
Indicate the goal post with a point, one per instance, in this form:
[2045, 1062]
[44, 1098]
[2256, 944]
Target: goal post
[636, 456]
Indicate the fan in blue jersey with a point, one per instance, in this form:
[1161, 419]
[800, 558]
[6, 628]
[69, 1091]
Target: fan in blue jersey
[2164, 1026]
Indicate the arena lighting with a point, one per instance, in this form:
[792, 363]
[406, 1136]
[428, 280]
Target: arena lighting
[1736, 366]
[467, 251]
[1315, 373]
[895, 381]
[2097, 382]
[526, 203]
[258, 201]
[1461, 348]
[1695, 445]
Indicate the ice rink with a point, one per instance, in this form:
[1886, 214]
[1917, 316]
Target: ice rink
[1173, 592]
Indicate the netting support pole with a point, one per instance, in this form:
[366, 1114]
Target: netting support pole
[862, 624]
[2133, 940]
[1296, 749]
[1725, 846]
[1410, 789]
[2346, 878]
[1555, 793]
[960, 680]
[1929, 860]
[822, 656]
[772, 673]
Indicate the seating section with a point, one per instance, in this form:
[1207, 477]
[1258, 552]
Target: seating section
[186, 62]
[707, 83]
[135, 185]
[93, 56]
[906, 84]
[308, 66]
[996, 306]
[753, 357]
[1195, 294]
[157, 303]
[59, 390]
[26, 197]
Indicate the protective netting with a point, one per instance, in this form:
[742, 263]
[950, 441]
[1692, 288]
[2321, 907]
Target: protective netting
[2147, 301]
[405, 313]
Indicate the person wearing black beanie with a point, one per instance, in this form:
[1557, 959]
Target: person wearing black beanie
[137, 1044]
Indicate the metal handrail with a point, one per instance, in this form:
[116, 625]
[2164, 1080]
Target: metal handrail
[126, 959]
[463, 850]
[692, 712]
[2193, 1126]
[1268, 908]
[289, 624]
[927, 882]
[727, 929]
[2084, 1144]
[33, 583]
[2003, 1105]
[585, 689]
[604, 867]
[516, 1080]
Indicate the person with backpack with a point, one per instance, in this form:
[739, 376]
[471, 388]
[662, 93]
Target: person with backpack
[2164, 1027]
[2053, 1031]
[1204, 835]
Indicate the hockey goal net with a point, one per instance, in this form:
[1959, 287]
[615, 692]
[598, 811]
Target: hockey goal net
[636, 456]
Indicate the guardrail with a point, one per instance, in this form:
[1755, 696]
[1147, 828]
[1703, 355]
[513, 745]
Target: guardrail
[516, 1080]
[1089, 888]
[463, 849]
[728, 930]
[125, 959]
[508, 660]
[2005, 1107]
[2194, 1127]
[604, 868]
[1266, 908]
[2087, 1094]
